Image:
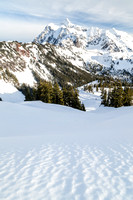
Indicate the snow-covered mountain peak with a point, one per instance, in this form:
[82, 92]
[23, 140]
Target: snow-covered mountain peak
[107, 48]
[67, 23]
[68, 35]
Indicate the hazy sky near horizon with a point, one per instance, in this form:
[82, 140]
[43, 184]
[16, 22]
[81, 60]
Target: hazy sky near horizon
[23, 20]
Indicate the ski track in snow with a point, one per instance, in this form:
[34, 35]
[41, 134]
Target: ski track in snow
[67, 172]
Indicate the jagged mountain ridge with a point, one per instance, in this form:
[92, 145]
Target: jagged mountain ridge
[118, 41]
[111, 51]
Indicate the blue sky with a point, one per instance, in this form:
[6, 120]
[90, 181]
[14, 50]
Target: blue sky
[23, 20]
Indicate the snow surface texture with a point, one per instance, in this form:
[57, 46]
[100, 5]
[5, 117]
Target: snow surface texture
[54, 152]
[73, 172]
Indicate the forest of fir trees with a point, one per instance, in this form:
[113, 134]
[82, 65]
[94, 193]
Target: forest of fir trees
[114, 93]
[48, 93]
[117, 96]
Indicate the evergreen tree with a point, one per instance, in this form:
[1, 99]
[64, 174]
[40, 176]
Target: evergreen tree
[104, 97]
[57, 95]
[83, 107]
[30, 93]
[127, 97]
[75, 99]
[117, 96]
[88, 87]
[65, 96]
[44, 92]
[71, 98]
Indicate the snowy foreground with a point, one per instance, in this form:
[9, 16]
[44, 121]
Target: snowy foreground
[51, 152]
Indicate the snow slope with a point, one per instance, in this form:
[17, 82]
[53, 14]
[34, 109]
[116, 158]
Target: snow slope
[9, 93]
[91, 100]
[54, 152]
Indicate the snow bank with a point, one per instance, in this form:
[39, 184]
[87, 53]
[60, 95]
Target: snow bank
[9, 93]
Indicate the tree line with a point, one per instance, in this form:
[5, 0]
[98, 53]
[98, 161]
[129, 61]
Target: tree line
[117, 96]
[48, 93]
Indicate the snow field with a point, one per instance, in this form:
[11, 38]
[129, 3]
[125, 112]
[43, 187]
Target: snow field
[60, 171]
[54, 152]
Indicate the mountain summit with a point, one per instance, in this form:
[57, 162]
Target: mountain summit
[67, 23]
[67, 34]
[110, 50]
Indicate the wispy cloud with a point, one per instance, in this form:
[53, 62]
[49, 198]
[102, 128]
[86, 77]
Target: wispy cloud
[34, 14]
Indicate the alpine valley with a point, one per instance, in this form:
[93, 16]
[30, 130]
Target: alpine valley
[56, 152]
[68, 53]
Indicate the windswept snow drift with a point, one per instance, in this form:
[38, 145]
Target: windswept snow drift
[54, 152]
